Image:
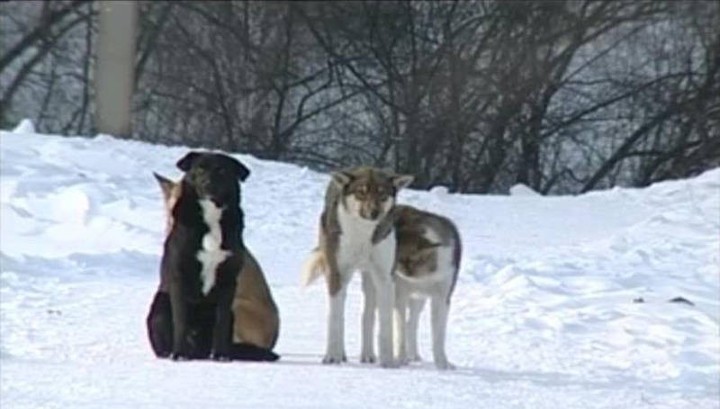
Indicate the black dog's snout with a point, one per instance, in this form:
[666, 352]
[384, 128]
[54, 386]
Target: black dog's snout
[374, 213]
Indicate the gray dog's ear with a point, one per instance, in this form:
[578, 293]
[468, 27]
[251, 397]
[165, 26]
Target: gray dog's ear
[342, 178]
[241, 170]
[402, 181]
[186, 162]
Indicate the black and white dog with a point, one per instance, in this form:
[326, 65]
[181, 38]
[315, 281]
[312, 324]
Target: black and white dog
[202, 256]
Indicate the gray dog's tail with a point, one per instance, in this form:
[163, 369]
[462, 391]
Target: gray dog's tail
[314, 267]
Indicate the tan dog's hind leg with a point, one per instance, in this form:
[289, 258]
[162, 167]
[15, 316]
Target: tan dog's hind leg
[256, 326]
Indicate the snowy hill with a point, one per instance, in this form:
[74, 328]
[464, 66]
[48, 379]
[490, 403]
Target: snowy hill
[543, 316]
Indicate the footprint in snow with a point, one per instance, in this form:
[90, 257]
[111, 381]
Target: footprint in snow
[679, 300]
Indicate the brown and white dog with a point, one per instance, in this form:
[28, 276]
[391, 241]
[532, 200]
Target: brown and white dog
[429, 251]
[256, 320]
[356, 233]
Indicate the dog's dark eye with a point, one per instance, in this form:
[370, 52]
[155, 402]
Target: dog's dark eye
[361, 191]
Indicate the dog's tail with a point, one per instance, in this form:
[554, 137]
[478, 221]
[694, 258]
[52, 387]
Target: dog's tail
[250, 352]
[314, 267]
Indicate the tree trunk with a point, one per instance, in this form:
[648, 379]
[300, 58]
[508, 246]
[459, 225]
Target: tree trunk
[114, 75]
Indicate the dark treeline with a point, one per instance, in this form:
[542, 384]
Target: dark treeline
[563, 96]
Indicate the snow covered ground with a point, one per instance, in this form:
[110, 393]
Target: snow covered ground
[543, 316]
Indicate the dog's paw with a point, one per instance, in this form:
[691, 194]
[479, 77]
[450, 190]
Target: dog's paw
[444, 366]
[271, 356]
[179, 356]
[368, 358]
[403, 360]
[389, 363]
[331, 360]
[334, 359]
[220, 357]
[414, 358]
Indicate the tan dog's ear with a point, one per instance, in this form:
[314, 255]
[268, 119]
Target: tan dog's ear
[402, 181]
[166, 185]
[341, 178]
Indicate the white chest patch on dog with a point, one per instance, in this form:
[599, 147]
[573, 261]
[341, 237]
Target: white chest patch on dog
[355, 248]
[211, 255]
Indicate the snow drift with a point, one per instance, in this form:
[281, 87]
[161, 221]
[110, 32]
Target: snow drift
[543, 316]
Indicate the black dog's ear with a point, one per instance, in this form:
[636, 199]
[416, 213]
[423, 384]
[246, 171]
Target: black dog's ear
[186, 162]
[241, 170]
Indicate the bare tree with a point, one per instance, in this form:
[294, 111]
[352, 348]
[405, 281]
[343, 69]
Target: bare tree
[114, 82]
[23, 54]
[476, 95]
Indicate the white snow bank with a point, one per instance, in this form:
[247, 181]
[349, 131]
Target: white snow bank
[522, 190]
[543, 316]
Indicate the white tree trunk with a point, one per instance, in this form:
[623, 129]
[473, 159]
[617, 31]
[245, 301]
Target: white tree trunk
[115, 69]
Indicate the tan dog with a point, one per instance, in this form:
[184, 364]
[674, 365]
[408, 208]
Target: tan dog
[256, 318]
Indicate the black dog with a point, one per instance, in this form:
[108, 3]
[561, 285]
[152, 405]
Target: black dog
[200, 320]
[199, 327]
[199, 331]
[204, 253]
